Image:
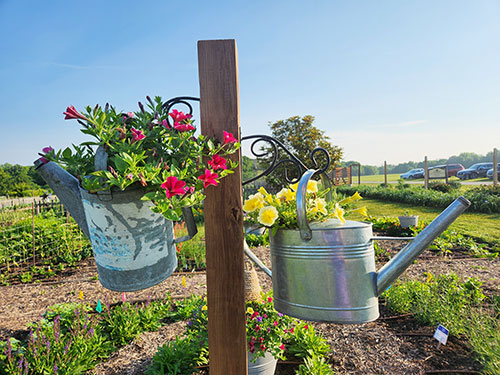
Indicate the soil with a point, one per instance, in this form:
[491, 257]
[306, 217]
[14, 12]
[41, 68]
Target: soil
[390, 345]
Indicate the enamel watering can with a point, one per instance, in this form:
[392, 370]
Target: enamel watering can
[326, 271]
[134, 248]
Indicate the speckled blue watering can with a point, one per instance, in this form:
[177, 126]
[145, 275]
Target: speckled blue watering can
[134, 248]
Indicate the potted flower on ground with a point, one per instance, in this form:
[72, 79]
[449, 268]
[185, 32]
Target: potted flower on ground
[408, 220]
[139, 165]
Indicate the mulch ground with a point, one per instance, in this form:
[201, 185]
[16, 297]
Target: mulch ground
[391, 345]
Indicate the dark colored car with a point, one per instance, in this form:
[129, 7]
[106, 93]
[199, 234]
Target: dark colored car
[414, 173]
[475, 171]
[489, 174]
[453, 169]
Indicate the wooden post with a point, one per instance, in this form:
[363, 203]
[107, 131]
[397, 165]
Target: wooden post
[385, 172]
[359, 174]
[426, 174]
[495, 167]
[219, 111]
[446, 173]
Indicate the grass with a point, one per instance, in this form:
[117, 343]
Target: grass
[483, 227]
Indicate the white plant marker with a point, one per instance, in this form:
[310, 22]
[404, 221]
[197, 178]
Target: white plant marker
[441, 335]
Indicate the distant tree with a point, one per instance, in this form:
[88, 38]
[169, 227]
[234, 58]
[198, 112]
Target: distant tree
[300, 137]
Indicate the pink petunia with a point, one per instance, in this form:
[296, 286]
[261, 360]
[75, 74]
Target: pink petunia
[178, 116]
[282, 346]
[183, 127]
[229, 138]
[173, 186]
[217, 162]
[165, 124]
[46, 150]
[209, 178]
[131, 114]
[137, 135]
[71, 114]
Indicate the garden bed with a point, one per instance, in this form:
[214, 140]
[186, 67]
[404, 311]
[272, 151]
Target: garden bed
[391, 345]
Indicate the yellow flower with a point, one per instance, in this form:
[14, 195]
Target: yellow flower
[286, 194]
[352, 198]
[312, 186]
[250, 310]
[320, 206]
[254, 202]
[204, 308]
[184, 281]
[339, 213]
[263, 191]
[268, 215]
[361, 210]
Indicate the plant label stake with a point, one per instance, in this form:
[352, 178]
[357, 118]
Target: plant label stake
[441, 335]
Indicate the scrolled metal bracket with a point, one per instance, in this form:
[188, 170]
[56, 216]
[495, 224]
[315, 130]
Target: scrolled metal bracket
[274, 146]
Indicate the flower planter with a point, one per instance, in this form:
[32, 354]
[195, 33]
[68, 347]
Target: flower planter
[263, 365]
[408, 221]
[133, 247]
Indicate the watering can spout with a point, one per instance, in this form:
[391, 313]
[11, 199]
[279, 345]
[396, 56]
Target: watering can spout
[397, 265]
[67, 188]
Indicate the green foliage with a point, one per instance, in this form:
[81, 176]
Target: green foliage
[316, 365]
[291, 132]
[443, 299]
[177, 357]
[455, 304]
[483, 198]
[19, 181]
[305, 342]
[58, 243]
[191, 254]
[256, 240]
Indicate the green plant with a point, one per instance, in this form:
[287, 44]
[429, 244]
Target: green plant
[178, 357]
[316, 365]
[305, 342]
[256, 240]
[145, 149]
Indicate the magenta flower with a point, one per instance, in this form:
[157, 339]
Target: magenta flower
[217, 162]
[71, 114]
[229, 138]
[165, 124]
[173, 186]
[178, 116]
[183, 127]
[208, 178]
[46, 150]
[137, 135]
[282, 346]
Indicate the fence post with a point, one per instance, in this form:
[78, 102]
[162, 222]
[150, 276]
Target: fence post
[33, 230]
[495, 167]
[426, 174]
[446, 173]
[219, 111]
[359, 174]
[385, 172]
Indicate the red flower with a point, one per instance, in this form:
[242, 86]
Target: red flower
[137, 135]
[71, 114]
[306, 327]
[183, 127]
[178, 116]
[217, 162]
[282, 346]
[173, 186]
[208, 178]
[165, 124]
[229, 138]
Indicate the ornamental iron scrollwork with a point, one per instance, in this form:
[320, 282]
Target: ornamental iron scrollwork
[273, 150]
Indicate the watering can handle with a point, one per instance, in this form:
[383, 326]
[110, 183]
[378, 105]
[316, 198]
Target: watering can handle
[304, 229]
[187, 212]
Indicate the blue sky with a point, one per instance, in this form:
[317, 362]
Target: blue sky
[386, 80]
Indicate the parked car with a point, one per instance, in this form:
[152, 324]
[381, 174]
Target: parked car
[414, 173]
[453, 169]
[489, 174]
[475, 171]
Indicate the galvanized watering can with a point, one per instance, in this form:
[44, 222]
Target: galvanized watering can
[134, 248]
[326, 271]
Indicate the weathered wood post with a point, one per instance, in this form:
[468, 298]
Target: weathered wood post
[385, 173]
[219, 111]
[426, 174]
[495, 167]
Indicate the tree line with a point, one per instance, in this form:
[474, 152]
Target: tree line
[20, 181]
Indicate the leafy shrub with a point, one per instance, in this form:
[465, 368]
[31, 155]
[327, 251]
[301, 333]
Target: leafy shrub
[256, 240]
[440, 186]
